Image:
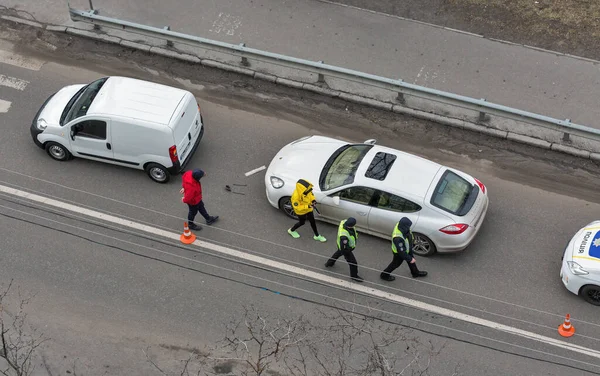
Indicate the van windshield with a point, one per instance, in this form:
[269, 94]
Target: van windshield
[82, 100]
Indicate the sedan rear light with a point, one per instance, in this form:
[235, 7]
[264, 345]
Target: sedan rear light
[173, 153]
[455, 229]
[481, 186]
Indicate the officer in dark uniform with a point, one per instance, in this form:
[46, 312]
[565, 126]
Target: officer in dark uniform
[346, 243]
[402, 247]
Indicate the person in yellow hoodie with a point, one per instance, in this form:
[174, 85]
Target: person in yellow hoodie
[303, 202]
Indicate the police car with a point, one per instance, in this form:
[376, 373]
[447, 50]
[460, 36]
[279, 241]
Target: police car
[580, 270]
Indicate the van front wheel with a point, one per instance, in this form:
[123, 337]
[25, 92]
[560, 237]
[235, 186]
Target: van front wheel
[57, 152]
[158, 173]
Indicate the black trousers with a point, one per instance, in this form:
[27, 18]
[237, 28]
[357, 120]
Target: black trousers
[350, 259]
[302, 220]
[396, 262]
[194, 209]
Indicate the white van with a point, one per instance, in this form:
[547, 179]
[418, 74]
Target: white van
[123, 121]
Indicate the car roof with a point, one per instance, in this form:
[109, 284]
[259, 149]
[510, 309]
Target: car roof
[410, 174]
[137, 99]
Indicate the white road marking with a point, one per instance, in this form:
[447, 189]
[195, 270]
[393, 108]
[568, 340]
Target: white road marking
[419, 74]
[8, 57]
[307, 273]
[4, 106]
[252, 172]
[226, 23]
[12, 82]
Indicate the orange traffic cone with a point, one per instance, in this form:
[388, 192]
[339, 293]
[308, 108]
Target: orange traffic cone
[566, 329]
[187, 237]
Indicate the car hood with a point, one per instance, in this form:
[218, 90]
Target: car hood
[303, 160]
[55, 106]
[585, 247]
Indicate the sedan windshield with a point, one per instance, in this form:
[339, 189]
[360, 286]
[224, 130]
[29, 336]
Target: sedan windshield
[82, 100]
[341, 167]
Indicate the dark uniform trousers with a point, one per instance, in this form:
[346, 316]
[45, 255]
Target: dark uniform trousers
[350, 259]
[396, 262]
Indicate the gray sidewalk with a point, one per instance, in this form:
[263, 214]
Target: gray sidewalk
[525, 78]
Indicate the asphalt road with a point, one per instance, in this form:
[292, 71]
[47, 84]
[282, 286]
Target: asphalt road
[516, 76]
[103, 305]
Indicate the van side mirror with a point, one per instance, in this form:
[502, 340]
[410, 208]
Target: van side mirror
[336, 200]
[75, 129]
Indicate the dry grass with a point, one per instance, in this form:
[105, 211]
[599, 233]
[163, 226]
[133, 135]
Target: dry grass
[571, 26]
[579, 16]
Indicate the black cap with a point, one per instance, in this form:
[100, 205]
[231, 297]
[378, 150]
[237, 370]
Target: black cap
[197, 174]
[405, 222]
[350, 222]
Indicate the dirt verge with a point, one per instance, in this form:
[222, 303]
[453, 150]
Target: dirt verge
[567, 26]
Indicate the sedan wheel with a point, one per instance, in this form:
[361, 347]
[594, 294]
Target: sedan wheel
[591, 294]
[285, 204]
[423, 246]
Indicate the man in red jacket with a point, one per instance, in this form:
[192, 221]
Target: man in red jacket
[192, 196]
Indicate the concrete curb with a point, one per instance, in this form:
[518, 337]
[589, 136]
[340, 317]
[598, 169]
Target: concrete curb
[387, 106]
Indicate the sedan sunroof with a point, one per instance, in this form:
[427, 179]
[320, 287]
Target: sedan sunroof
[380, 166]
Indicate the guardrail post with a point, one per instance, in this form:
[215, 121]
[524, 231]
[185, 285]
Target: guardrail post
[482, 115]
[321, 76]
[400, 97]
[169, 42]
[245, 61]
[94, 11]
[567, 136]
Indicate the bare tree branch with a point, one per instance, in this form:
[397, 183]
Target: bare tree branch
[152, 362]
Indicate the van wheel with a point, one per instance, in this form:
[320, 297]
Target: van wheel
[58, 152]
[423, 245]
[158, 173]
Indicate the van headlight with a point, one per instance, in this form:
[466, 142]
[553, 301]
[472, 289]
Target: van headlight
[276, 182]
[576, 269]
[41, 124]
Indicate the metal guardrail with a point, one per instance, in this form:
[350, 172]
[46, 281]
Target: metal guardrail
[325, 70]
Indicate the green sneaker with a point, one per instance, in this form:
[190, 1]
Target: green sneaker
[320, 238]
[294, 234]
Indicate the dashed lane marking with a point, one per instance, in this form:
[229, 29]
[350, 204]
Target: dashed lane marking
[4, 106]
[13, 82]
[329, 280]
[252, 172]
[9, 57]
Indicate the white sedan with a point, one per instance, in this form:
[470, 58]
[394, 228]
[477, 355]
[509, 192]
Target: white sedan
[580, 270]
[378, 186]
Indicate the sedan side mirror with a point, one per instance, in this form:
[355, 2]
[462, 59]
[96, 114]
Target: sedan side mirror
[370, 141]
[336, 200]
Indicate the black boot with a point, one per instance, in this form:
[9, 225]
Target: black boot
[415, 271]
[357, 278]
[194, 227]
[387, 277]
[212, 220]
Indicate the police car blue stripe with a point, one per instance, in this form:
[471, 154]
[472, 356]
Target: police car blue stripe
[595, 246]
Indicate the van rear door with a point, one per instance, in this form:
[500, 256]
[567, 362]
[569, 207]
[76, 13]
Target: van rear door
[187, 127]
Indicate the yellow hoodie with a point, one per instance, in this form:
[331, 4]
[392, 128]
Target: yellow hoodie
[303, 197]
